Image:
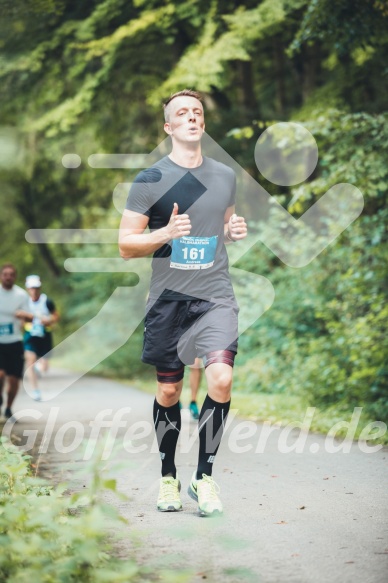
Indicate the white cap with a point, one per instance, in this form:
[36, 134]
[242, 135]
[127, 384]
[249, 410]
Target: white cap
[33, 281]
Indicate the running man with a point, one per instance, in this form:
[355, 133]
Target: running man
[13, 312]
[37, 337]
[195, 381]
[187, 202]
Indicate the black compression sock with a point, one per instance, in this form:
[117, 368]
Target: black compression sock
[211, 426]
[167, 421]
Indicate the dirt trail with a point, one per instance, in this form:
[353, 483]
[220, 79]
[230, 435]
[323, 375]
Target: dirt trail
[310, 517]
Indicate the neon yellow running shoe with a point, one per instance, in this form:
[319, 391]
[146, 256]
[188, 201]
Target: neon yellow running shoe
[205, 492]
[169, 499]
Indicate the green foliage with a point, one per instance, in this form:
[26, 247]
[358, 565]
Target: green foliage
[324, 338]
[203, 64]
[352, 148]
[349, 358]
[48, 536]
[345, 24]
[89, 294]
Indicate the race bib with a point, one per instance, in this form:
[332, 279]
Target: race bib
[37, 328]
[193, 252]
[6, 329]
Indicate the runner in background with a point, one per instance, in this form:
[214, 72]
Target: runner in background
[14, 312]
[38, 337]
[195, 381]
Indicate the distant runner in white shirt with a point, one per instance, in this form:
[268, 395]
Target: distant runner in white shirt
[37, 337]
[13, 312]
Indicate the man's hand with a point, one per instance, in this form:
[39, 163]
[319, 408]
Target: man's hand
[178, 225]
[23, 315]
[237, 228]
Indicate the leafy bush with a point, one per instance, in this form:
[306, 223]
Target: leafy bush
[49, 537]
[324, 337]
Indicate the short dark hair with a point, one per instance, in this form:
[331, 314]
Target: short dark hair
[183, 93]
[8, 266]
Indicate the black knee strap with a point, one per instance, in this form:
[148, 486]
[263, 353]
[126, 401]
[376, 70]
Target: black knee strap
[222, 356]
[169, 375]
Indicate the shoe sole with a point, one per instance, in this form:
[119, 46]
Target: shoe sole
[169, 509]
[201, 512]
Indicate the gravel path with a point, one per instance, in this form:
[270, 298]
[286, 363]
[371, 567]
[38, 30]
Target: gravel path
[309, 517]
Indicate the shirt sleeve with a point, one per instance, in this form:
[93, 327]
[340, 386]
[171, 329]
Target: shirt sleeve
[25, 304]
[50, 306]
[139, 198]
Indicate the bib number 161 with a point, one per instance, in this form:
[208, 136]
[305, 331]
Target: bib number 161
[193, 253]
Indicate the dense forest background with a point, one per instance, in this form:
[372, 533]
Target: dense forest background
[89, 77]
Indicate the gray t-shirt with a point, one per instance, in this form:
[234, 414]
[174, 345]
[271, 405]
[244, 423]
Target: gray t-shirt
[10, 301]
[194, 266]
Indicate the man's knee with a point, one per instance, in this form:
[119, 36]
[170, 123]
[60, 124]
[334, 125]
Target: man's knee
[219, 377]
[225, 379]
[13, 382]
[169, 385]
[169, 392]
[30, 357]
[223, 383]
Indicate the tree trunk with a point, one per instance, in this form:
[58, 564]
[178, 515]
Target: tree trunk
[26, 211]
[309, 70]
[278, 57]
[246, 94]
[49, 259]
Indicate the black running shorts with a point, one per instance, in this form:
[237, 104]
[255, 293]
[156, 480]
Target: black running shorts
[12, 359]
[40, 346]
[176, 332]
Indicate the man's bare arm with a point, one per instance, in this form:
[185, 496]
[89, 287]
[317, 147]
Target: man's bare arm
[53, 318]
[134, 242]
[24, 315]
[235, 228]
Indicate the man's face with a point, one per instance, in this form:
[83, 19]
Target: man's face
[186, 122]
[8, 277]
[34, 293]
